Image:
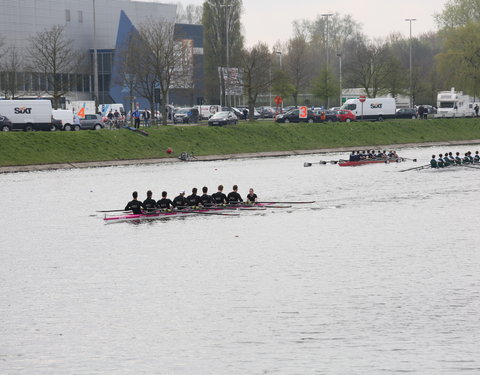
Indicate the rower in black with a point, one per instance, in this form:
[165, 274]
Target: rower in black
[134, 205]
[433, 162]
[233, 197]
[165, 203]
[149, 204]
[180, 201]
[207, 200]
[193, 200]
[251, 197]
[220, 198]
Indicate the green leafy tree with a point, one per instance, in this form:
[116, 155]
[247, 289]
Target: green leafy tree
[326, 86]
[459, 13]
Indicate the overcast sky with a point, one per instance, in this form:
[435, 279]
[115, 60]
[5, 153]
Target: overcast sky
[271, 20]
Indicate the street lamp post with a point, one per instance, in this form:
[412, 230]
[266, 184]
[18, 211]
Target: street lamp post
[340, 75]
[279, 54]
[410, 20]
[95, 61]
[327, 15]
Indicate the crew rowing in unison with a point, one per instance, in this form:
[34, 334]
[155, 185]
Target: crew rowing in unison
[447, 159]
[371, 154]
[193, 201]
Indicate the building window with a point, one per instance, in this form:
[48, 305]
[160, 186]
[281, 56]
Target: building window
[80, 16]
[67, 15]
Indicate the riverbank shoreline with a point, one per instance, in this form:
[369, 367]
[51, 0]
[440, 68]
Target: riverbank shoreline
[248, 155]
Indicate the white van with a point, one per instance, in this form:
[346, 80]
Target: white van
[105, 108]
[207, 111]
[65, 116]
[372, 108]
[28, 114]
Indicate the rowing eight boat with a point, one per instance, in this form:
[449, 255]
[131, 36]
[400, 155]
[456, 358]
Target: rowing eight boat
[348, 163]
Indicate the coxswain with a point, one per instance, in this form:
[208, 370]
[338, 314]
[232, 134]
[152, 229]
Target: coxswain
[149, 204]
[233, 197]
[180, 201]
[165, 203]
[440, 162]
[194, 200]
[458, 159]
[219, 198]
[476, 158]
[134, 205]
[251, 197]
[207, 200]
[433, 162]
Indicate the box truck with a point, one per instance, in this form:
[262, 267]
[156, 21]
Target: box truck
[28, 114]
[105, 108]
[372, 108]
[454, 104]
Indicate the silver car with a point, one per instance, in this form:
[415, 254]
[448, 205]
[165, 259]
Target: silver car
[92, 122]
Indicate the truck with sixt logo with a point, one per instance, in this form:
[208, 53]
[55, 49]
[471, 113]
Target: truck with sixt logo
[28, 114]
[377, 109]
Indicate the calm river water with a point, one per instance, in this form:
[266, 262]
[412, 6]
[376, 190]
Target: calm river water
[379, 276]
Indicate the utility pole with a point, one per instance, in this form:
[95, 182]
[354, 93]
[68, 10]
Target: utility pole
[410, 20]
[95, 61]
[340, 62]
[327, 15]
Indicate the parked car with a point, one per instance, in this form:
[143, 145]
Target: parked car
[325, 115]
[93, 122]
[235, 111]
[266, 112]
[5, 124]
[294, 116]
[406, 113]
[185, 115]
[223, 118]
[345, 115]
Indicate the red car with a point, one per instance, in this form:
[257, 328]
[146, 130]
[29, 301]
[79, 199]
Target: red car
[344, 115]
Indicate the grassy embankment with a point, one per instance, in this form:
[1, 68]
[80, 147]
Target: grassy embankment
[20, 148]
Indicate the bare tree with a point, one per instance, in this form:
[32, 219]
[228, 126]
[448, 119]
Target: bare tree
[167, 58]
[256, 78]
[191, 14]
[53, 55]
[297, 65]
[10, 67]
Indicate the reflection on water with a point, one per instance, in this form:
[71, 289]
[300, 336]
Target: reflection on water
[379, 275]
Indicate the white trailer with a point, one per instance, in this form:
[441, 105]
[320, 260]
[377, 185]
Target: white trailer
[207, 111]
[105, 108]
[454, 104]
[28, 114]
[81, 107]
[372, 108]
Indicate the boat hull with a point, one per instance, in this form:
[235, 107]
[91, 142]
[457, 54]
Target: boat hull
[347, 163]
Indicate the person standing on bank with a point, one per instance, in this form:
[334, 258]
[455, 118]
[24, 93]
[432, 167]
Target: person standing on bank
[476, 108]
[146, 118]
[136, 118]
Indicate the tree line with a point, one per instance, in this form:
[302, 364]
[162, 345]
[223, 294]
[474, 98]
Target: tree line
[311, 62]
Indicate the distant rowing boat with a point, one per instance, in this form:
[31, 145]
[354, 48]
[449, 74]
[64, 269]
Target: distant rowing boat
[348, 163]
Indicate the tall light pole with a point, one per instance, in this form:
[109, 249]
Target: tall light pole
[327, 15]
[340, 78]
[95, 61]
[410, 20]
[279, 54]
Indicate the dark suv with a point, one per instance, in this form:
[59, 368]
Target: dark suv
[5, 124]
[294, 116]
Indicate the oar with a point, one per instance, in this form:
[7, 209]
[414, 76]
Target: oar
[122, 210]
[210, 213]
[321, 162]
[306, 202]
[470, 166]
[417, 168]
[414, 160]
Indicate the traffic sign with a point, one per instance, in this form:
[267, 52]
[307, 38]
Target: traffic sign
[278, 100]
[303, 112]
[362, 98]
